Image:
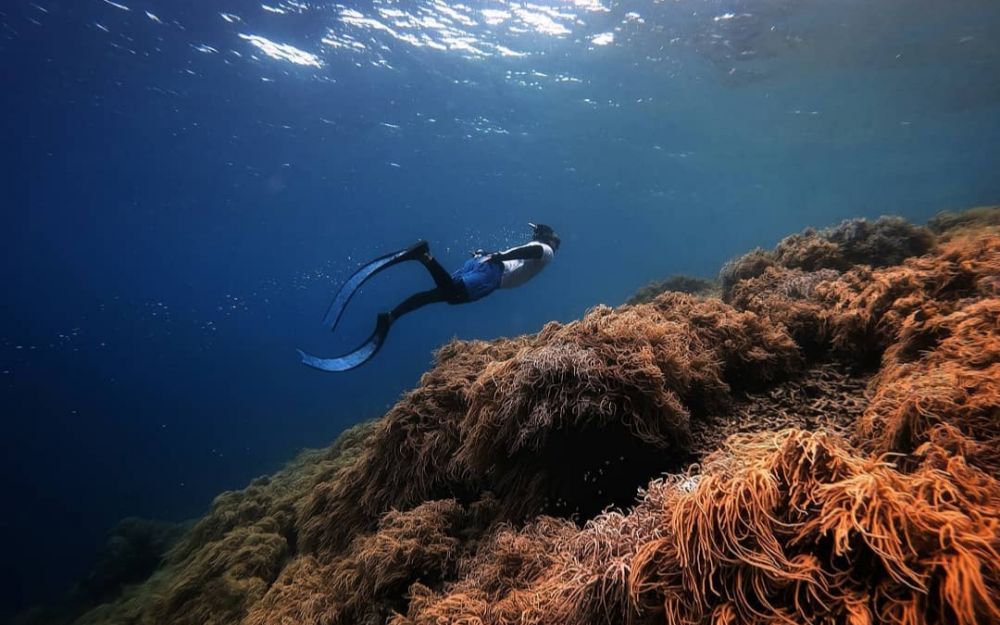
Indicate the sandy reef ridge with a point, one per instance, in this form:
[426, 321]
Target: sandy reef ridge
[812, 438]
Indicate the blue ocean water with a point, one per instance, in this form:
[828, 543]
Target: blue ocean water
[186, 183]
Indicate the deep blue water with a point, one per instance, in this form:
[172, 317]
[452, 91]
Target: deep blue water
[185, 184]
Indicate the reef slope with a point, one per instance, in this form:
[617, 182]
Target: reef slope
[819, 444]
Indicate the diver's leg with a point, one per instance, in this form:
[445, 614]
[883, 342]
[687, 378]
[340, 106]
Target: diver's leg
[440, 275]
[364, 352]
[419, 300]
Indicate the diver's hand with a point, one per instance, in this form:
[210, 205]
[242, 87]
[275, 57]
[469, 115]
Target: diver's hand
[488, 257]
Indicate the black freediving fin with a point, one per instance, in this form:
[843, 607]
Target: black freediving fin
[359, 356]
[368, 270]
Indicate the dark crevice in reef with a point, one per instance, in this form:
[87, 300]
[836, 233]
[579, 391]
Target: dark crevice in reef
[580, 473]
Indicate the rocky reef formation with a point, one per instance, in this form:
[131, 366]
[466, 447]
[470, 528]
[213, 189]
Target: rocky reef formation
[882, 243]
[679, 283]
[134, 549]
[821, 444]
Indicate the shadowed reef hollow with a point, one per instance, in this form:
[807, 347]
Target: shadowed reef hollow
[815, 441]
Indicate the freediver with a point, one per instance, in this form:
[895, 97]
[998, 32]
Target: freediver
[478, 277]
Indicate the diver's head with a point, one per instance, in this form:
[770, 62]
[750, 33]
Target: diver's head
[545, 234]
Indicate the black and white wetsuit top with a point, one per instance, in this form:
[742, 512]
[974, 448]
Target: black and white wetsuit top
[517, 272]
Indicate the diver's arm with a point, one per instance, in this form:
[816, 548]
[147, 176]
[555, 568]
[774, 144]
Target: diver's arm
[528, 251]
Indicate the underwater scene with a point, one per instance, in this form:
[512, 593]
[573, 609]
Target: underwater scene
[553, 312]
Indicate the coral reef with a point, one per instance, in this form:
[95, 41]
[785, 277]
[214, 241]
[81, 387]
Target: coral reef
[822, 446]
[885, 242]
[228, 559]
[795, 527]
[134, 549]
[946, 224]
[679, 283]
[828, 396]
[785, 297]
[778, 527]
[490, 416]
[368, 581]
